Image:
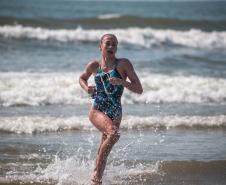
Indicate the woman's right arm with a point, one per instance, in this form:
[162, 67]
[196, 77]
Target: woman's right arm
[83, 79]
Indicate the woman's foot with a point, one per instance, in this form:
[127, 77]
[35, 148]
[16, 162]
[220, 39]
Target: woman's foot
[96, 182]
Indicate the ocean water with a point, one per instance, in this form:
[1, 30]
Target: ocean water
[172, 134]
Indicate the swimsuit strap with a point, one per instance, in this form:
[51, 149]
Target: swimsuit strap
[117, 61]
[116, 64]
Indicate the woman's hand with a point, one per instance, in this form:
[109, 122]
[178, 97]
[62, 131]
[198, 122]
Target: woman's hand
[90, 89]
[115, 81]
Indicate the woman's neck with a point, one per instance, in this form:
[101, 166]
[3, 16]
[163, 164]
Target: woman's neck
[109, 64]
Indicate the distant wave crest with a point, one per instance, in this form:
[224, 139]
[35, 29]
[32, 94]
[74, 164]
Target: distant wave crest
[143, 37]
[109, 16]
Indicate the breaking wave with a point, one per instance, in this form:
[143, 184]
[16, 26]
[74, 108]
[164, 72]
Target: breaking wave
[37, 124]
[37, 89]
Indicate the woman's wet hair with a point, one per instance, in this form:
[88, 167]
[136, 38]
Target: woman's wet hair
[108, 35]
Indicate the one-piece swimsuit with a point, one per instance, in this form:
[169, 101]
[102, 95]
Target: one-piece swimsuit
[107, 97]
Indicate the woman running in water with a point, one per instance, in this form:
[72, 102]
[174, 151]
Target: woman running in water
[110, 75]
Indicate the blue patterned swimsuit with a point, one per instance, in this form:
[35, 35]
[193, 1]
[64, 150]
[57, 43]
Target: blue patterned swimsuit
[107, 97]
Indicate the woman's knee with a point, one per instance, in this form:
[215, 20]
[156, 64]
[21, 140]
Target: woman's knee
[116, 137]
[113, 134]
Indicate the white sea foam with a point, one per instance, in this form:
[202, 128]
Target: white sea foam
[62, 172]
[144, 37]
[34, 89]
[40, 89]
[135, 122]
[29, 125]
[191, 89]
[43, 124]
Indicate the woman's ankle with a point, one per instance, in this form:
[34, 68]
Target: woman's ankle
[96, 175]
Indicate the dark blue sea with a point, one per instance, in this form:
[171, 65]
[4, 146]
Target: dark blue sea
[172, 134]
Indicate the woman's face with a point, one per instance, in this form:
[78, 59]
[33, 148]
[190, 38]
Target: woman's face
[108, 46]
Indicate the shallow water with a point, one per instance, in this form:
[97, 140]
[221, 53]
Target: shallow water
[159, 157]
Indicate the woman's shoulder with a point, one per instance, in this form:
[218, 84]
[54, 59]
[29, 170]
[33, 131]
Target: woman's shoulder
[124, 62]
[93, 65]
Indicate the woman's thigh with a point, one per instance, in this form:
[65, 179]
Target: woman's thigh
[102, 122]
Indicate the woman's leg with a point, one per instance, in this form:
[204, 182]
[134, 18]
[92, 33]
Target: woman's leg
[110, 129]
[103, 138]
